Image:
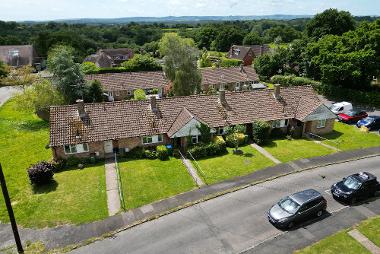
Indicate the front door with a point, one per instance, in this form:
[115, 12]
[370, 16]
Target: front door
[108, 147]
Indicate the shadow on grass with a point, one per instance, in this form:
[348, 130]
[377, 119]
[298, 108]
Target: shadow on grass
[333, 135]
[75, 167]
[32, 125]
[45, 188]
[269, 143]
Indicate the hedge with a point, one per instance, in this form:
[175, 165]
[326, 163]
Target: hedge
[371, 98]
[227, 62]
[241, 138]
[41, 173]
[261, 131]
[119, 69]
[162, 152]
[210, 149]
[291, 80]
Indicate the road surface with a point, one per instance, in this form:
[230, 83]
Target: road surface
[6, 93]
[231, 223]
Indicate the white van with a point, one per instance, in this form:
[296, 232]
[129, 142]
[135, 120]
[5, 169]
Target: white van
[341, 107]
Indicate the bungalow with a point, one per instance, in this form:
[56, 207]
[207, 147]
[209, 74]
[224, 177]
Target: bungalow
[105, 58]
[121, 86]
[99, 129]
[247, 53]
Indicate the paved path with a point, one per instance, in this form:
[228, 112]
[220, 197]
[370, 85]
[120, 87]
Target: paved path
[236, 222]
[364, 241]
[7, 92]
[112, 187]
[265, 153]
[71, 234]
[192, 171]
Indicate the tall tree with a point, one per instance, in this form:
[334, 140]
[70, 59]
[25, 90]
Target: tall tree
[252, 38]
[67, 74]
[180, 67]
[330, 21]
[94, 92]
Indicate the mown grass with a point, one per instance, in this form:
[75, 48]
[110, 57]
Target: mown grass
[371, 229]
[348, 137]
[145, 181]
[219, 168]
[75, 196]
[288, 150]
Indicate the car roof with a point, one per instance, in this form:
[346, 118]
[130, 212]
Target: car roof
[343, 103]
[305, 196]
[364, 176]
[374, 117]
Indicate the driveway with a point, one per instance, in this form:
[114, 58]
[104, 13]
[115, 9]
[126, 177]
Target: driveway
[368, 109]
[7, 92]
[237, 221]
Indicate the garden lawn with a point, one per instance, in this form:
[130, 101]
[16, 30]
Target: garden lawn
[371, 229]
[347, 137]
[288, 150]
[76, 196]
[145, 181]
[339, 243]
[219, 168]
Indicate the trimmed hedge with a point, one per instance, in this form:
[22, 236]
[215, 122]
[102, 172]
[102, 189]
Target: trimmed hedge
[227, 62]
[210, 149]
[118, 70]
[41, 173]
[261, 131]
[292, 80]
[162, 152]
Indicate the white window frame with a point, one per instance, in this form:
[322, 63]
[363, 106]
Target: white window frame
[221, 131]
[146, 140]
[321, 123]
[195, 139]
[74, 149]
[280, 123]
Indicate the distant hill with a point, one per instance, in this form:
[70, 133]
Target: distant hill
[171, 19]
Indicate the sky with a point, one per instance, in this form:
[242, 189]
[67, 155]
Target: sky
[19, 10]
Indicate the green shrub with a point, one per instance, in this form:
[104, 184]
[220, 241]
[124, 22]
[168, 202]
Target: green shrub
[41, 173]
[210, 149]
[162, 152]
[261, 131]
[72, 161]
[139, 95]
[239, 128]
[236, 139]
[227, 62]
[136, 153]
[150, 154]
[292, 80]
[205, 133]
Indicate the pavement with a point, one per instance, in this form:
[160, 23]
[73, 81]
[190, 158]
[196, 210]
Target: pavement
[363, 240]
[112, 187]
[193, 173]
[265, 153]
[7, 92]
[232, 211]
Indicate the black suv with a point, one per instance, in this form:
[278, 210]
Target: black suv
[297, 207]
[354, 187]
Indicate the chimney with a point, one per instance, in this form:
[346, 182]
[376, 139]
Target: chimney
[261, 50]
[276, 93]
[153, 103]
[241, 68]
[222, 97]
[80, 106]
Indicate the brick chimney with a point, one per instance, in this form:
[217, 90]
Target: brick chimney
[153, 103]
[276, 92]
[222, 97]
[81, 110]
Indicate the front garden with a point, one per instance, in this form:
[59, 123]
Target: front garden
[348, 137]
[147, 180]
[75, 196]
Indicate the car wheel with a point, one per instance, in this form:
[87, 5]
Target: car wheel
[290, 225]
[319, 213]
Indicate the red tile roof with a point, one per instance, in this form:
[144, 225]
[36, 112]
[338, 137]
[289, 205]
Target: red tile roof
[122, 119]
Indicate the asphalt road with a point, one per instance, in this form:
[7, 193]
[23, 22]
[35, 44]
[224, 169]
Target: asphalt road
[231, 223]
[6, 93]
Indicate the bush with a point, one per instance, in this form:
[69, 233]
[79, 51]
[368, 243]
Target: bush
[211, 149]
[150, 154]
[260, 132]
[240, 128]
[162, 152]
[141, 63]
[41, 173]
[136, 153]
[139, 95]
[292, 80]
[277, 133]
[227, 62]
[236, 139]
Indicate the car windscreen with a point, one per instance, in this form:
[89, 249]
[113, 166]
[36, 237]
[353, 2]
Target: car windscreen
[351, 113]
[352, 183]
[335, 107]
[368, 120]
[289, 205]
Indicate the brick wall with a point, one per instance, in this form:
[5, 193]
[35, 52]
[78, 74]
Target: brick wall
[59, 152]
[311, 126]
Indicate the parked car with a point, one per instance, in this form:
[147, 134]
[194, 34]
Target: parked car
[371, 122]
[296, 208]
[341, 107]
[355, 187]
[352, 116]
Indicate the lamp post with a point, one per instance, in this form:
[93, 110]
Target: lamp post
[10, 212]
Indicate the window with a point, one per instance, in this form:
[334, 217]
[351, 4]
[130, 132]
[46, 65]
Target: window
[194, 139]
[280, 123]
[152, 139]
[221, 131]
[78, 148]
[321, 123]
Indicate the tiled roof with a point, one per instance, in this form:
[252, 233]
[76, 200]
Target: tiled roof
[228, 75]
[257, 50]
[122, 119]
[181, 120]
[130, 80]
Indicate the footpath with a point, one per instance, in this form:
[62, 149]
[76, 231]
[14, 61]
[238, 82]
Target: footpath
[74, 234]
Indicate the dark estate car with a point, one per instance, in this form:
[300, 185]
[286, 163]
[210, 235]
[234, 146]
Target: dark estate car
[296, 208]
[354, 187]
[371, 122]
[352, 116]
